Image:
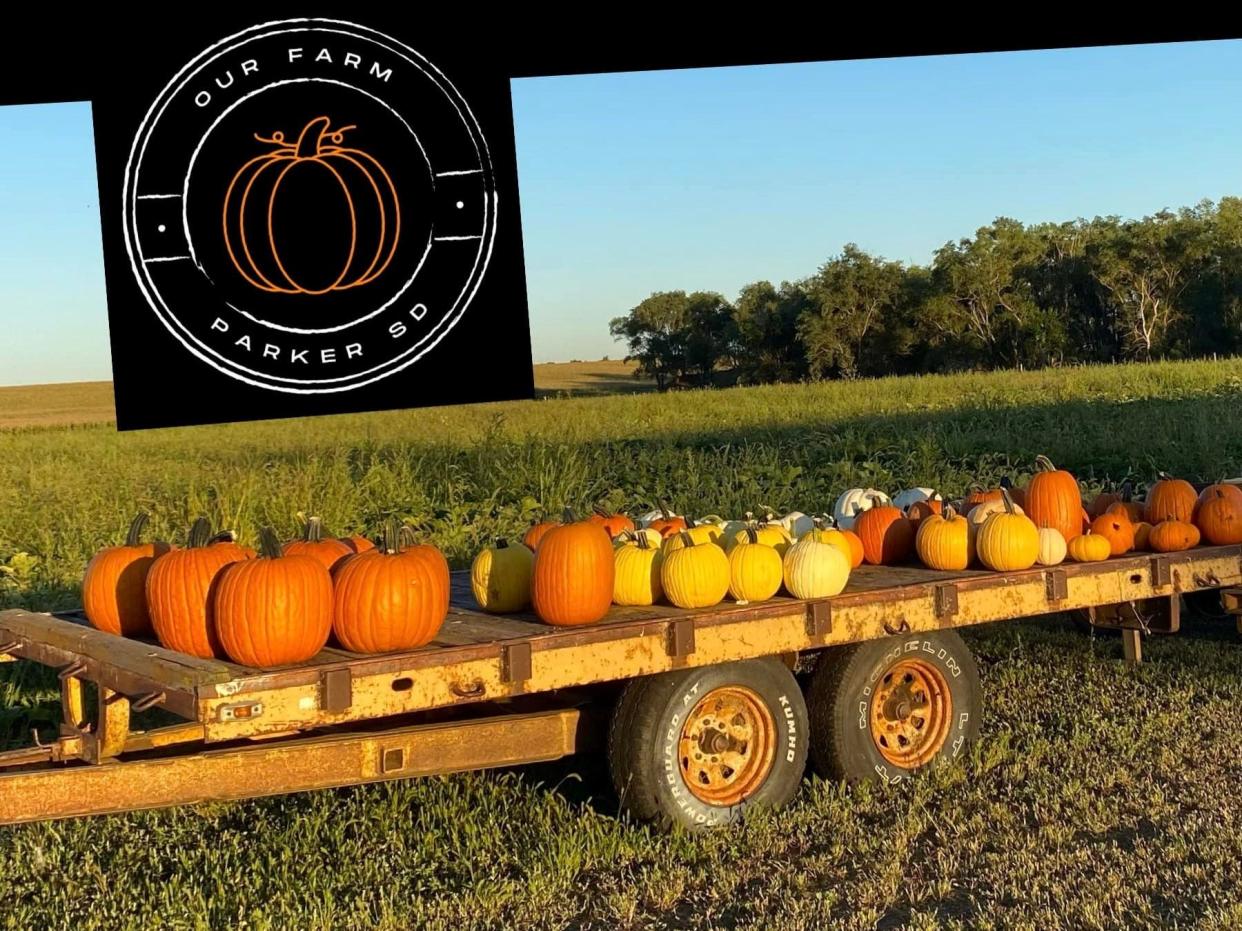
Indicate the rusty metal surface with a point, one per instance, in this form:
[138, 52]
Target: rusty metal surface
[482, 658]
[292, 766]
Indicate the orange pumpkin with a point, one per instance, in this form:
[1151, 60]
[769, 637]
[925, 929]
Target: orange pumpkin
[1142, 536]
[275, 610]
[980, 495]
[1117, 530]
[179, 591]
[857, 554]
[395, 598]
[614, 524]
[573, 576]
[670, 524]
[357, 543]
[1220, 518]
[1053, 500]
[313, 543]
[921, 510]
[1231, 490]
[1173, 536]
[114, 593]
[1170, 499]
[1121, 500]
[354, 179]
[537, 532]
[887, 535]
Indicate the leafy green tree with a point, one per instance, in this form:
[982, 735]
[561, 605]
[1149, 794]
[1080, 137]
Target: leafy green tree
[675, 336]
[1144, 266]
[852, 298]
[766, 322]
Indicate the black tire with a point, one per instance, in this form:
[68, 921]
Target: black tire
[645, 739]
[848, 681]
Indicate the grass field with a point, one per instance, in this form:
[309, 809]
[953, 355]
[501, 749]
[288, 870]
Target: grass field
[1100, 795]
[90, 402]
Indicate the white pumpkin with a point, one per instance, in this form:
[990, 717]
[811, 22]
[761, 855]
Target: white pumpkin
[914, 496]
[645, 520]
[981, 512]
[855, 501]
[797, 524]
[815, 570]
[711, 519]
[1051, 547]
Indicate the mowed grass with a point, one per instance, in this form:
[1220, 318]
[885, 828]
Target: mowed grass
[91, 402]
[1100, 795]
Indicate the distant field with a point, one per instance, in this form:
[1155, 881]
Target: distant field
[89, 402]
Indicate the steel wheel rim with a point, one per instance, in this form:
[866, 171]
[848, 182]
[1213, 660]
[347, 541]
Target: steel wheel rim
[911, 712]
[727, 746]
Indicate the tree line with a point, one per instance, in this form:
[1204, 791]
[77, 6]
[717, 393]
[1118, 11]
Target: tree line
[1011, 296]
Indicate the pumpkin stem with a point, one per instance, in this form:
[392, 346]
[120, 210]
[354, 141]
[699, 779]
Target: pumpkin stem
[269, 545]
[1164, 476]
[313, 532]
[502, 543]
[686, 540]
[665, 509]
[392, 537]
[600, 510]
[200, 533]
[1044, 464]
[1008, 499]
[224, 536]
[405, 537]
[752, 535]
[818, 522]
[567, 516]
[311, 138]
[641, 538]
[1127, 491]
[949, 512]
[134, 537]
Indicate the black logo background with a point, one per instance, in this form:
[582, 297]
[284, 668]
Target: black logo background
[189, 371]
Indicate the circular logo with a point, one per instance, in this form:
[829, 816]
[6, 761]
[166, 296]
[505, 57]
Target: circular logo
[309, 206]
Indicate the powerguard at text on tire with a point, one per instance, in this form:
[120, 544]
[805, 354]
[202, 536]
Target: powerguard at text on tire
[309, 208]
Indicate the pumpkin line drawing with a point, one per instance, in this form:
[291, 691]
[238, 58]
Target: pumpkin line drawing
[259, 180]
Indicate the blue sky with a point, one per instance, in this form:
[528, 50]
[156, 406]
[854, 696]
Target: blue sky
[713, 178]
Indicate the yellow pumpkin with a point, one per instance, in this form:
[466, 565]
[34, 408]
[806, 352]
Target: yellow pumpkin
[774, 535]
[755, 570]
[1089, 547]
[815, 570]
[1051, 547]
[631, 537]
[1008, 540]
[500, 577]
[696, 575]
[698, 533]
[945, 541]
[636, 564]
[1142, 536]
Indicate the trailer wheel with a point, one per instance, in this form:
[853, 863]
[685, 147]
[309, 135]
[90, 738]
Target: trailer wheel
[702, 747]
[888, 708]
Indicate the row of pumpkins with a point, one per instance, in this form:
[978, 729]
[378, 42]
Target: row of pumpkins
[216, 598]
[698, 563]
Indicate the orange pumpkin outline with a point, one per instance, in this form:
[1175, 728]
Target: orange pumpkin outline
[295, 154]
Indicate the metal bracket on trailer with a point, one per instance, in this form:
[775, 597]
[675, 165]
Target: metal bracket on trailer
[337, 690]
[681, 637]
[946, 600]
[1161, 571]
[515, 662]
[819, 619]
[1056, 585]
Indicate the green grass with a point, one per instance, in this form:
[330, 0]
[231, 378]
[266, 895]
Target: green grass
[1100, 795]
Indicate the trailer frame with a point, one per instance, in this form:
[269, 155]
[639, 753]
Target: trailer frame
[490, 691]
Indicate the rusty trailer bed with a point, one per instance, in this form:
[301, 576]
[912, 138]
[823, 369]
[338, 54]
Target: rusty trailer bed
[487, 669]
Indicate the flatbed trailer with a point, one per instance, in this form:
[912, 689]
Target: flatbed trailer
[699, 711]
